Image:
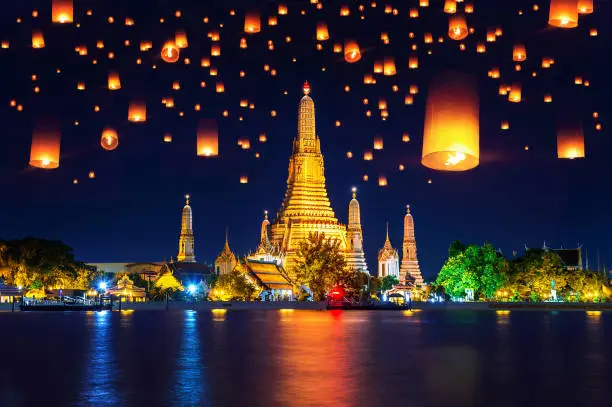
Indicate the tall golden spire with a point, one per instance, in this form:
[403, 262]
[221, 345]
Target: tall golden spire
[186, 240]
[410, 270]
[355, 257]
[306, 207]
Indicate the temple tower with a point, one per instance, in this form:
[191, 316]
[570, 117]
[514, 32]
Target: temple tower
[226, 260]
[410, 270]
[186, 253]
[388, 259]
[355, 257]
[306, 207]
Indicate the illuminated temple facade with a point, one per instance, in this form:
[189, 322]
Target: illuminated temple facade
[409, 270]
[355, 257]
[306, 207]
[186, 252]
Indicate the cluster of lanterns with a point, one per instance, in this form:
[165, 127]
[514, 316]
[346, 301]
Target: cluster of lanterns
[451, 124]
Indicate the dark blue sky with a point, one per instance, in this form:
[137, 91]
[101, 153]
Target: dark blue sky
[131, 210]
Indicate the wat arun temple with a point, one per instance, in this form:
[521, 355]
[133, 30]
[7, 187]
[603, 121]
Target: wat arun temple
[306, 209]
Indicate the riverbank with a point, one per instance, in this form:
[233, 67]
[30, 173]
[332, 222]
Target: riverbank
[321, 306]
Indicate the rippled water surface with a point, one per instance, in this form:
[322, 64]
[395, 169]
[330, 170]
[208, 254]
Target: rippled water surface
[306, 358]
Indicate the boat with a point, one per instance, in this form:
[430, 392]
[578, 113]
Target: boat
[336, 300]
[67, 304]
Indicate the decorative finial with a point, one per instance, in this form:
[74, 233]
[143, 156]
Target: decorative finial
[266, 214]
[354, 190]
[306, 88]
[187, 196]
[407, 208]
[387, 230]
[227, 236]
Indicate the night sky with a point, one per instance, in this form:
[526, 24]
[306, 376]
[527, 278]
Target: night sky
[131, 210]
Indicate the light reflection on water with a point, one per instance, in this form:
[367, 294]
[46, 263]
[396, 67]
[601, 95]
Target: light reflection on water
[190, 385]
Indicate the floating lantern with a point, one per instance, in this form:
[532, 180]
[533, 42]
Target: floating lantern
[283, 10]
[382, 104]
[451, 137]
[491, 37]
[252, 22]
[414, 89]
[378, 143]
[548, 98]
[337, 49]
[91, 175]
[519, 53]
[62, 11]
[349, 154]
[366, 178]
[450, 6]
[405, 138]
[428, 38]
[593, 32]
[368, 155]
[137, 112]
[563, 13]
[368, 79]
[515, 94]
[382, 181]
[170, 53]
[45, 149]
[244, 179]
[457, 27]
[5, 45]
[145, 46]
[219, 87]
[208, 138]
[345, 11]
[114, 82]
[585, 6]
[481, 48]
[424, 3]
[413, 62]
[570, 141]
[413, 13]
[272, 21]
[578, 80]
[351, 51]
[167, 138]
[38, 40]
[378, 67]
[401, 167]
[263, 138]
[81, 86]
[505, 125]
[180, 39]
[322, 32]
[176, 85]
[408, 100]
[469, 8]
[109, 140]
[389, 66]
[215, 50]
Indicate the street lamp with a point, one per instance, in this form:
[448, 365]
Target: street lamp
[192, 289]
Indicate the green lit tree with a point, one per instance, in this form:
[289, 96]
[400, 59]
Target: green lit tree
[321, 264]
[387, 283]
[232, 286]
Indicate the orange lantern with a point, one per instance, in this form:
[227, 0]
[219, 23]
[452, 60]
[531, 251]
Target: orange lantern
[180, 39]
[405, 138]
[424, 3]
[170, 52]
[378, 143]
[593, 32]
[368, 79]
[491, 37]
[337, 48]
[114, 82]
[563, 13]
[215, 50]
[515, 95]
[137, 112]
[585, 6]
[469, 8]
[450, 6]
[208, 138]
[414, 13]
[220, 87]
[382, 104]
[272, 21]
[428, 38]
[570, 141]
[389, 66]
[382, 181]
[413, 62]
[62, 11]
[481, 48]
[263, 138]
[345, 11]
[351, 51]
[505, 125]
[408, 100]
[457, 27]
[167, 138]
[38, 40]
[244, 179]
[367, 155]
[252, 22]
[109, 140]
[451, 138]
[45, 150]
[548, 98]
[145, 45]
[413, 89]
[282, 9]
[519, 53]
[322, 32]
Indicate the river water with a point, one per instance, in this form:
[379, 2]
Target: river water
[306, 358]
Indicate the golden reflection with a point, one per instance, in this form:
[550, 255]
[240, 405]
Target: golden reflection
[503, 316]
[593, 314]
[219, 314]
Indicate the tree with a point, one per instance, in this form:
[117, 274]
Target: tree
[232, 286]
[456, 248]
[388, 282]
[166, 286]
[478, 268]
[321, 264]
[531, 276]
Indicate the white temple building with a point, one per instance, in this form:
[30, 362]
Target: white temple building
[388, 260]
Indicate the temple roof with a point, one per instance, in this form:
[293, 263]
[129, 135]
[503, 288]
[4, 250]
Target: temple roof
[226, 254]
[387, 251]
[269, 275]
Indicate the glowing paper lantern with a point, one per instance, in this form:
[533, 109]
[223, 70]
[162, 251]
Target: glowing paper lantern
[368, 155]
[351, 51]
[62, 11]
[570, 141]
[137, 112]
[167, 138]
[345, 11]
[457, 27]
[378, 143]
[170, 53]
[252, 22]
[38, 40]
[382, 181]
[413, 62]
[208, 138]
[114, 82]
[215, 50]
[563, 13]
[405, 138]
[378, 67]
[220, 87]
[272, 21]
[45, 149]
[585, 6]
[428, 38]
[322, 32]
[109, 140]
[450, 6]
[282, 9]
[515, 94]
[180, 39]
[519, 53]
[389, 66]
[451, 138]
[244, 179]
